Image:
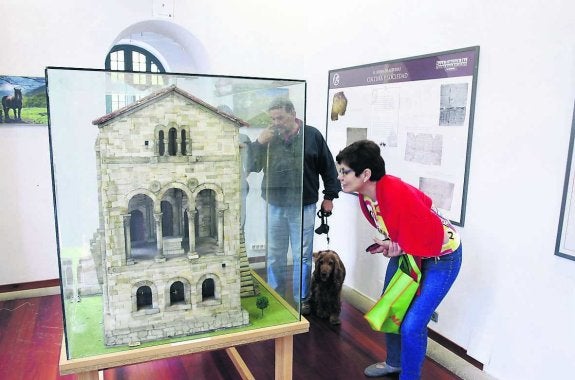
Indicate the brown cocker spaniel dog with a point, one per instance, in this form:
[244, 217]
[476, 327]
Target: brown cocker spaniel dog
[326, 283]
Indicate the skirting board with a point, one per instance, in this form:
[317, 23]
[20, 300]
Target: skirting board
[435, 351]
[29, 293]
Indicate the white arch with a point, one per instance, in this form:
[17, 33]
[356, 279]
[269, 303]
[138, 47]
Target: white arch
[176, 48]
[175, 185]
[211, 186]
[152, 287]
[138, 191]
[217, 286]
[187, 289]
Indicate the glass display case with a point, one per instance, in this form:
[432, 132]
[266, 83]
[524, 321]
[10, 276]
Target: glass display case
[163, 199]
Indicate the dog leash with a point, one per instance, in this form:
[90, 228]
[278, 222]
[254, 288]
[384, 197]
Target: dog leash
[324, 227]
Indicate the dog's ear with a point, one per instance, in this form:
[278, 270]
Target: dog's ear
[315, 255]
[338, 270]
[316, 269]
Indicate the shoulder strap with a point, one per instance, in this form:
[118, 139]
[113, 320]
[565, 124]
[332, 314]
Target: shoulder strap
[409, 262]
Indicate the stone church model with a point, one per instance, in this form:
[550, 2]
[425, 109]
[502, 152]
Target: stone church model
[169, 216]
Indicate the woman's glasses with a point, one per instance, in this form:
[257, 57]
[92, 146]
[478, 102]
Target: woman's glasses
[343, 171]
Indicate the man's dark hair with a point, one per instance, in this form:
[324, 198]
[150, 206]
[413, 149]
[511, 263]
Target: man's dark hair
[361, 155]
[282, 103]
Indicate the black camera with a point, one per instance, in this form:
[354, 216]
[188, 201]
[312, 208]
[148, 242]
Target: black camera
[323, 228]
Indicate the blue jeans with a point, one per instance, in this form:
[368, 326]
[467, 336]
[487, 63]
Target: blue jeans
[285, 229]
[407, 349]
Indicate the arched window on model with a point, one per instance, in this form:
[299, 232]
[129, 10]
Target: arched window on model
[161, 143]
[208, 289]
[172, 142]
[177, 295]
[183, 142]
[144, 297]
[135, 59]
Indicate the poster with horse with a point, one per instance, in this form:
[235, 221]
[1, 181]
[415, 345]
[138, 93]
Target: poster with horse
[23, 100]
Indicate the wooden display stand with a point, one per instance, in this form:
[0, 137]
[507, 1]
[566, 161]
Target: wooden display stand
[87, 368]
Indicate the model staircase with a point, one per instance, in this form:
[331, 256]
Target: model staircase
[248, 287]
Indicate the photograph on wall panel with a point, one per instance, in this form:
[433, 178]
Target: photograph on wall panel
[565, 245]
[420, 111]
[23, 101]
[161, 231]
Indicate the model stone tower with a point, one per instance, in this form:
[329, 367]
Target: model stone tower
[169, 236]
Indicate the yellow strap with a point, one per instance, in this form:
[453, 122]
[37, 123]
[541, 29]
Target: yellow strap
[373, 209]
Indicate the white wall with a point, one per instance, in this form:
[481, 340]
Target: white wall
[523, 116]
[524, 107]
[27, 231]
[39, 34]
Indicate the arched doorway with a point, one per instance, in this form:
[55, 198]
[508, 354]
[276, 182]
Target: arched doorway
[137, 230]
[207, 222]
[142, 227]
[167, 219]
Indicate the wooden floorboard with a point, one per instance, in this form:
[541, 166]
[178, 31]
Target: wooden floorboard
[31, 335]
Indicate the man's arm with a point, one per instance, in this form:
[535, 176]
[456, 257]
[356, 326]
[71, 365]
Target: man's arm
[329, 173]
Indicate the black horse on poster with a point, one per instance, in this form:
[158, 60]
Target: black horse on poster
[14, 103]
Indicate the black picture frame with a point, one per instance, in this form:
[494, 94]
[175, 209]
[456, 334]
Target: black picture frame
[565, 244]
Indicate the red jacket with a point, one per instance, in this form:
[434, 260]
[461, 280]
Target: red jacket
[408, 217]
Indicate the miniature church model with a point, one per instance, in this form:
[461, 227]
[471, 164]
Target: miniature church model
[169, 202]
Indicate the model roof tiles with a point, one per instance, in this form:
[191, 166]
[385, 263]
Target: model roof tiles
[153, 97]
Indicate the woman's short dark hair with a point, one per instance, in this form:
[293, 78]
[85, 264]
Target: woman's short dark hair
[361, 155]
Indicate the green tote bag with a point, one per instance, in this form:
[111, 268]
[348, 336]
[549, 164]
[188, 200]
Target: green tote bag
[388, 313]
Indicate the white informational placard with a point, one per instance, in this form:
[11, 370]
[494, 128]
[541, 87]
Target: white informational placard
[420, 111]
[565, 245]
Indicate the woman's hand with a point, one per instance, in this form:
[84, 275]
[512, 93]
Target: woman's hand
[385, 247]
[394, 250]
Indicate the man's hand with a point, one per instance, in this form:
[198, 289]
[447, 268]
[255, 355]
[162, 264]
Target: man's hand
[266, 135]
[327, 205]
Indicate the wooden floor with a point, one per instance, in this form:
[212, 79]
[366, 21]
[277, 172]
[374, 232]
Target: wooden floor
[31, 334]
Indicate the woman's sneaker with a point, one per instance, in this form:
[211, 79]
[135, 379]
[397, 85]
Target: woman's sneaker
[381, 369]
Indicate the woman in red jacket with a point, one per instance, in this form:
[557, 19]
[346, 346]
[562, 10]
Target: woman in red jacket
[408, 223]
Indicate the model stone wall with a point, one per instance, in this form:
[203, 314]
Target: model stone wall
[164, 320]
[173, 163]
[125, 170]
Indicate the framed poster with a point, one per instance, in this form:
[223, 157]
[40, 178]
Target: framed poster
[565, 245]
[23, 101]
[420, 111]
